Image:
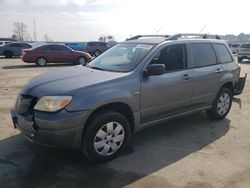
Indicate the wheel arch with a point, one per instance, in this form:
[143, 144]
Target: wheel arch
[228, 85]
[119, 107]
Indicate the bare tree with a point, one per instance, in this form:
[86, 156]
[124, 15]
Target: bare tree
[20, 31]
[105, 38]
[46, 38]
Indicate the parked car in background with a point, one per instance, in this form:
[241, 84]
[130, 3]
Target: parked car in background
[243, 52]
[95, 48]
[234, 47]
[13, 49]
[54, 53]
[76, 46]
[2, 43]
[133, 85]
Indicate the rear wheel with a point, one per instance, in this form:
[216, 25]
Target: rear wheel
[107, 135]
[82, 60]
[8, 54]
[221, 104]
[96, 53]
[41, 62]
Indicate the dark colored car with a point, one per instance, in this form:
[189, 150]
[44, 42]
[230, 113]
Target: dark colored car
[51, 53]
[95, 48]
[13, 49]
[76, 46]
[133, 85]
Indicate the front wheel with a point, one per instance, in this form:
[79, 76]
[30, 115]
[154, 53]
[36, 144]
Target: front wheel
[221, 104]
[107, 135]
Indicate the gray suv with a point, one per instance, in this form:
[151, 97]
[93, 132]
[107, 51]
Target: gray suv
[243, 52]
[133, 85]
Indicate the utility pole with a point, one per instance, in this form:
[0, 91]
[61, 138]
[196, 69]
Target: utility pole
[34, 33]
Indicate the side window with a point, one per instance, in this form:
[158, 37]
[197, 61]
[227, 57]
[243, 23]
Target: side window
[202, 54]
[26, 45]
[173, 57]
[15, 45]
[63, 49]
[102, 44]
[50, 48]
[222, 53]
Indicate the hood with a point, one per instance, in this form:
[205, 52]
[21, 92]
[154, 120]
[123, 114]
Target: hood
[67, 80]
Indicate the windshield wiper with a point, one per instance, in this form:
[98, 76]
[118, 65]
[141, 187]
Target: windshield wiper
[97, 68]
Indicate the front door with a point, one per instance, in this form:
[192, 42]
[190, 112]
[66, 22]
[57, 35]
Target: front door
[171, 92]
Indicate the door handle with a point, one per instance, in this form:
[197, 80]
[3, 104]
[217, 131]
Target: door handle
[218, 70]
[186, 77]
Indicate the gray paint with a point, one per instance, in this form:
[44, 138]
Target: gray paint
[151, 99]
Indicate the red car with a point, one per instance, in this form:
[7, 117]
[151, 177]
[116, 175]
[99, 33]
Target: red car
[53, 53]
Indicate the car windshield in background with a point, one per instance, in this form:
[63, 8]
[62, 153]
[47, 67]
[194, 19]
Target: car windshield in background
[121, 58]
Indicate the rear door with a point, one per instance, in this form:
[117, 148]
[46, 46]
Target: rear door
[207, 73]
[171, 92]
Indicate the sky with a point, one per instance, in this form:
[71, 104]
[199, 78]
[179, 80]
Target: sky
[86, 20]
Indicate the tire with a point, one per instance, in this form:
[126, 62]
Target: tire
[96, 53]
[8, 54]
[106, 136]
[221, 105]
[82, 60]
[41, 61]
[240, 59]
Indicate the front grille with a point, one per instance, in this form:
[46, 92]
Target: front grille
[25, 104]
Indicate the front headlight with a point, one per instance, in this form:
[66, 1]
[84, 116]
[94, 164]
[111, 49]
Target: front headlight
[52, 103]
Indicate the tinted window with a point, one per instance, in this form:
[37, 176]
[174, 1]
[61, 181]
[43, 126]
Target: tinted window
[1, 43]
[26, 45]
[202, 54]
[91, 44]
[235, 45]
[245, 46]
[222, 53]
[173, 57]
[63, 49]
[50, 48]
[15, 45]
[102, 44]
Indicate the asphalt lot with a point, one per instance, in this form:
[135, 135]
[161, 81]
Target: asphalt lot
[189, 152]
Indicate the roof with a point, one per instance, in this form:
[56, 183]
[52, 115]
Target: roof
[149, 40]
[156, 39]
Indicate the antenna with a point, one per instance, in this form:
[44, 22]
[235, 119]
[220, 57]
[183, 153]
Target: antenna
[157, 30]
[203, 28]
[34, 33]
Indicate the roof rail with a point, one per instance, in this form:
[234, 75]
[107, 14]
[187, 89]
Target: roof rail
[140, 36]
[193, 35]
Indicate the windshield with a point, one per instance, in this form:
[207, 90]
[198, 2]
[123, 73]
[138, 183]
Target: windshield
[121, 57]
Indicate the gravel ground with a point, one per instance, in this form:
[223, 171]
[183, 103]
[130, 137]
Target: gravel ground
[189, 152]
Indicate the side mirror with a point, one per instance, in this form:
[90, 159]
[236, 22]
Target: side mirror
[154, 69]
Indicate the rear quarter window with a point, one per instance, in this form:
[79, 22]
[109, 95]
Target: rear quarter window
[202, 54]
[222, 53]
